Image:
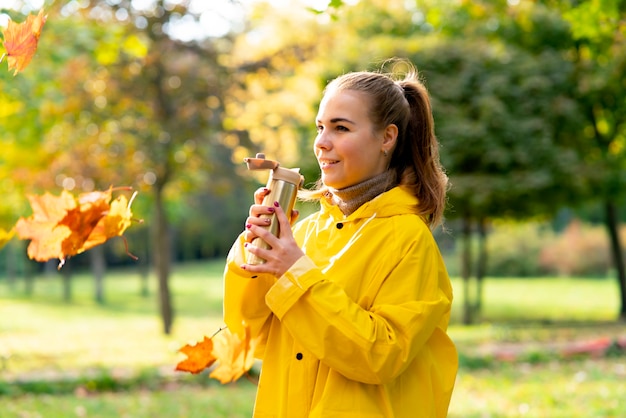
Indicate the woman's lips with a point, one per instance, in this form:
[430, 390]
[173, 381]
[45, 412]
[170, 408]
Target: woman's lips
[324, 164]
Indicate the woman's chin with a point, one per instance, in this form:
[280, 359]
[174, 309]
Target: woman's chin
[330, 182]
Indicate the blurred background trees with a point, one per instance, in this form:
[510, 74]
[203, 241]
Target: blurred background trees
[167, 97]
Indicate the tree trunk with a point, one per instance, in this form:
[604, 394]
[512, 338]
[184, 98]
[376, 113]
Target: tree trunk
[29, 279]
[162, 259]
[66, 276]
[98, 268]
[466, 270]
[11, 266]
[144, 264]
[481, 268]
[612, 224]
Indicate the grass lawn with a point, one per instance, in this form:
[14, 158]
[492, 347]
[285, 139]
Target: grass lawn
[174, 402]
[46, 343]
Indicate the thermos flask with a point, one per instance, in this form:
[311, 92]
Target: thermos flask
[283, 184]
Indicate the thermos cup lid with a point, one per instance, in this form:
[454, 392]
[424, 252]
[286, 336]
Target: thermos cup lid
[260, 163]
[290, 175]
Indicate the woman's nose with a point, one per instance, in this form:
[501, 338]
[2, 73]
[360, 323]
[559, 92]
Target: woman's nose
[321, 141]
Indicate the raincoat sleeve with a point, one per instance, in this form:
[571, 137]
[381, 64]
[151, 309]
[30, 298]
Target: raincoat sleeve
[244, 296]
[376, 342]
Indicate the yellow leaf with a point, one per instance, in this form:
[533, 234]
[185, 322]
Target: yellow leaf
[21, 39]
[235, 356]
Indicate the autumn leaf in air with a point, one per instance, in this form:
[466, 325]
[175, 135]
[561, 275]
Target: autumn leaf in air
[21, 39]
[199, 356]
[63, 226]
[232, 355]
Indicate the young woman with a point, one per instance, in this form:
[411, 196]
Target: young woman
[352, 306]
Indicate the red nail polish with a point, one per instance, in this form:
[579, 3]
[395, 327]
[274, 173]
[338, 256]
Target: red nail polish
[276, 204]
[248, 225]
[271, 210]
[243, 267]
[245, 245]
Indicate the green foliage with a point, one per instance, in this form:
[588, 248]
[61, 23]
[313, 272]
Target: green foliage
[498, 115]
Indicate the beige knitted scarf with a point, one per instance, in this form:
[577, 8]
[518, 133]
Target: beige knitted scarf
[351, 198]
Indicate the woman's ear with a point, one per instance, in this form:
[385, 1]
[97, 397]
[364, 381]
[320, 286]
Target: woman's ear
[390, 136]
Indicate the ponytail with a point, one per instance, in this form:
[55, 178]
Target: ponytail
[416, 156]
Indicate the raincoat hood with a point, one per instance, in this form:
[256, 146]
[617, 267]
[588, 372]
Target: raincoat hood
[397, 201]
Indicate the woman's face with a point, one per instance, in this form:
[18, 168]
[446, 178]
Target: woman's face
[347, 147]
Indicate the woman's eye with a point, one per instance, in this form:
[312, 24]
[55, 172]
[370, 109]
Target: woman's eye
[319, 129]
[342, 128]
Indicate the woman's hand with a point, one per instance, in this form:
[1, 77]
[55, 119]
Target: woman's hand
[284, 251]
[256, 210]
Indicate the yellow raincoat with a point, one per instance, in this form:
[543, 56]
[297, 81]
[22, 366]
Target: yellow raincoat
[357, 327]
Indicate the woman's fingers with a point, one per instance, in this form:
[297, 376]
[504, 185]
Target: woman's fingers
[283, 251]
[259, 194]
[294, 216]
[283, 222]
[260, 216]
[258, 210]
[261, 221]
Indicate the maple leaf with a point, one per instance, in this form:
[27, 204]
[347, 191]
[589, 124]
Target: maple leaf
[21, 39]
[199, 356]
[233, 355]
[63, 226]
[43, 228]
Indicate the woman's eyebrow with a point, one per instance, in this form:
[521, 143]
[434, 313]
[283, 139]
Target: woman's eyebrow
[339, 120]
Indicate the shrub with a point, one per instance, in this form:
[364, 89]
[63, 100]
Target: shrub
[514, 248]
[581, 250]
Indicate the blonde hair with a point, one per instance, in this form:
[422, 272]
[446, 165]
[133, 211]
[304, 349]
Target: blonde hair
[405, 103]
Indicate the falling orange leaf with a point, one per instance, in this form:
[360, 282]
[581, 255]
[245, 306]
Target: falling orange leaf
[63, 226]
[21, 39]
[233, 355]
[199, 356]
